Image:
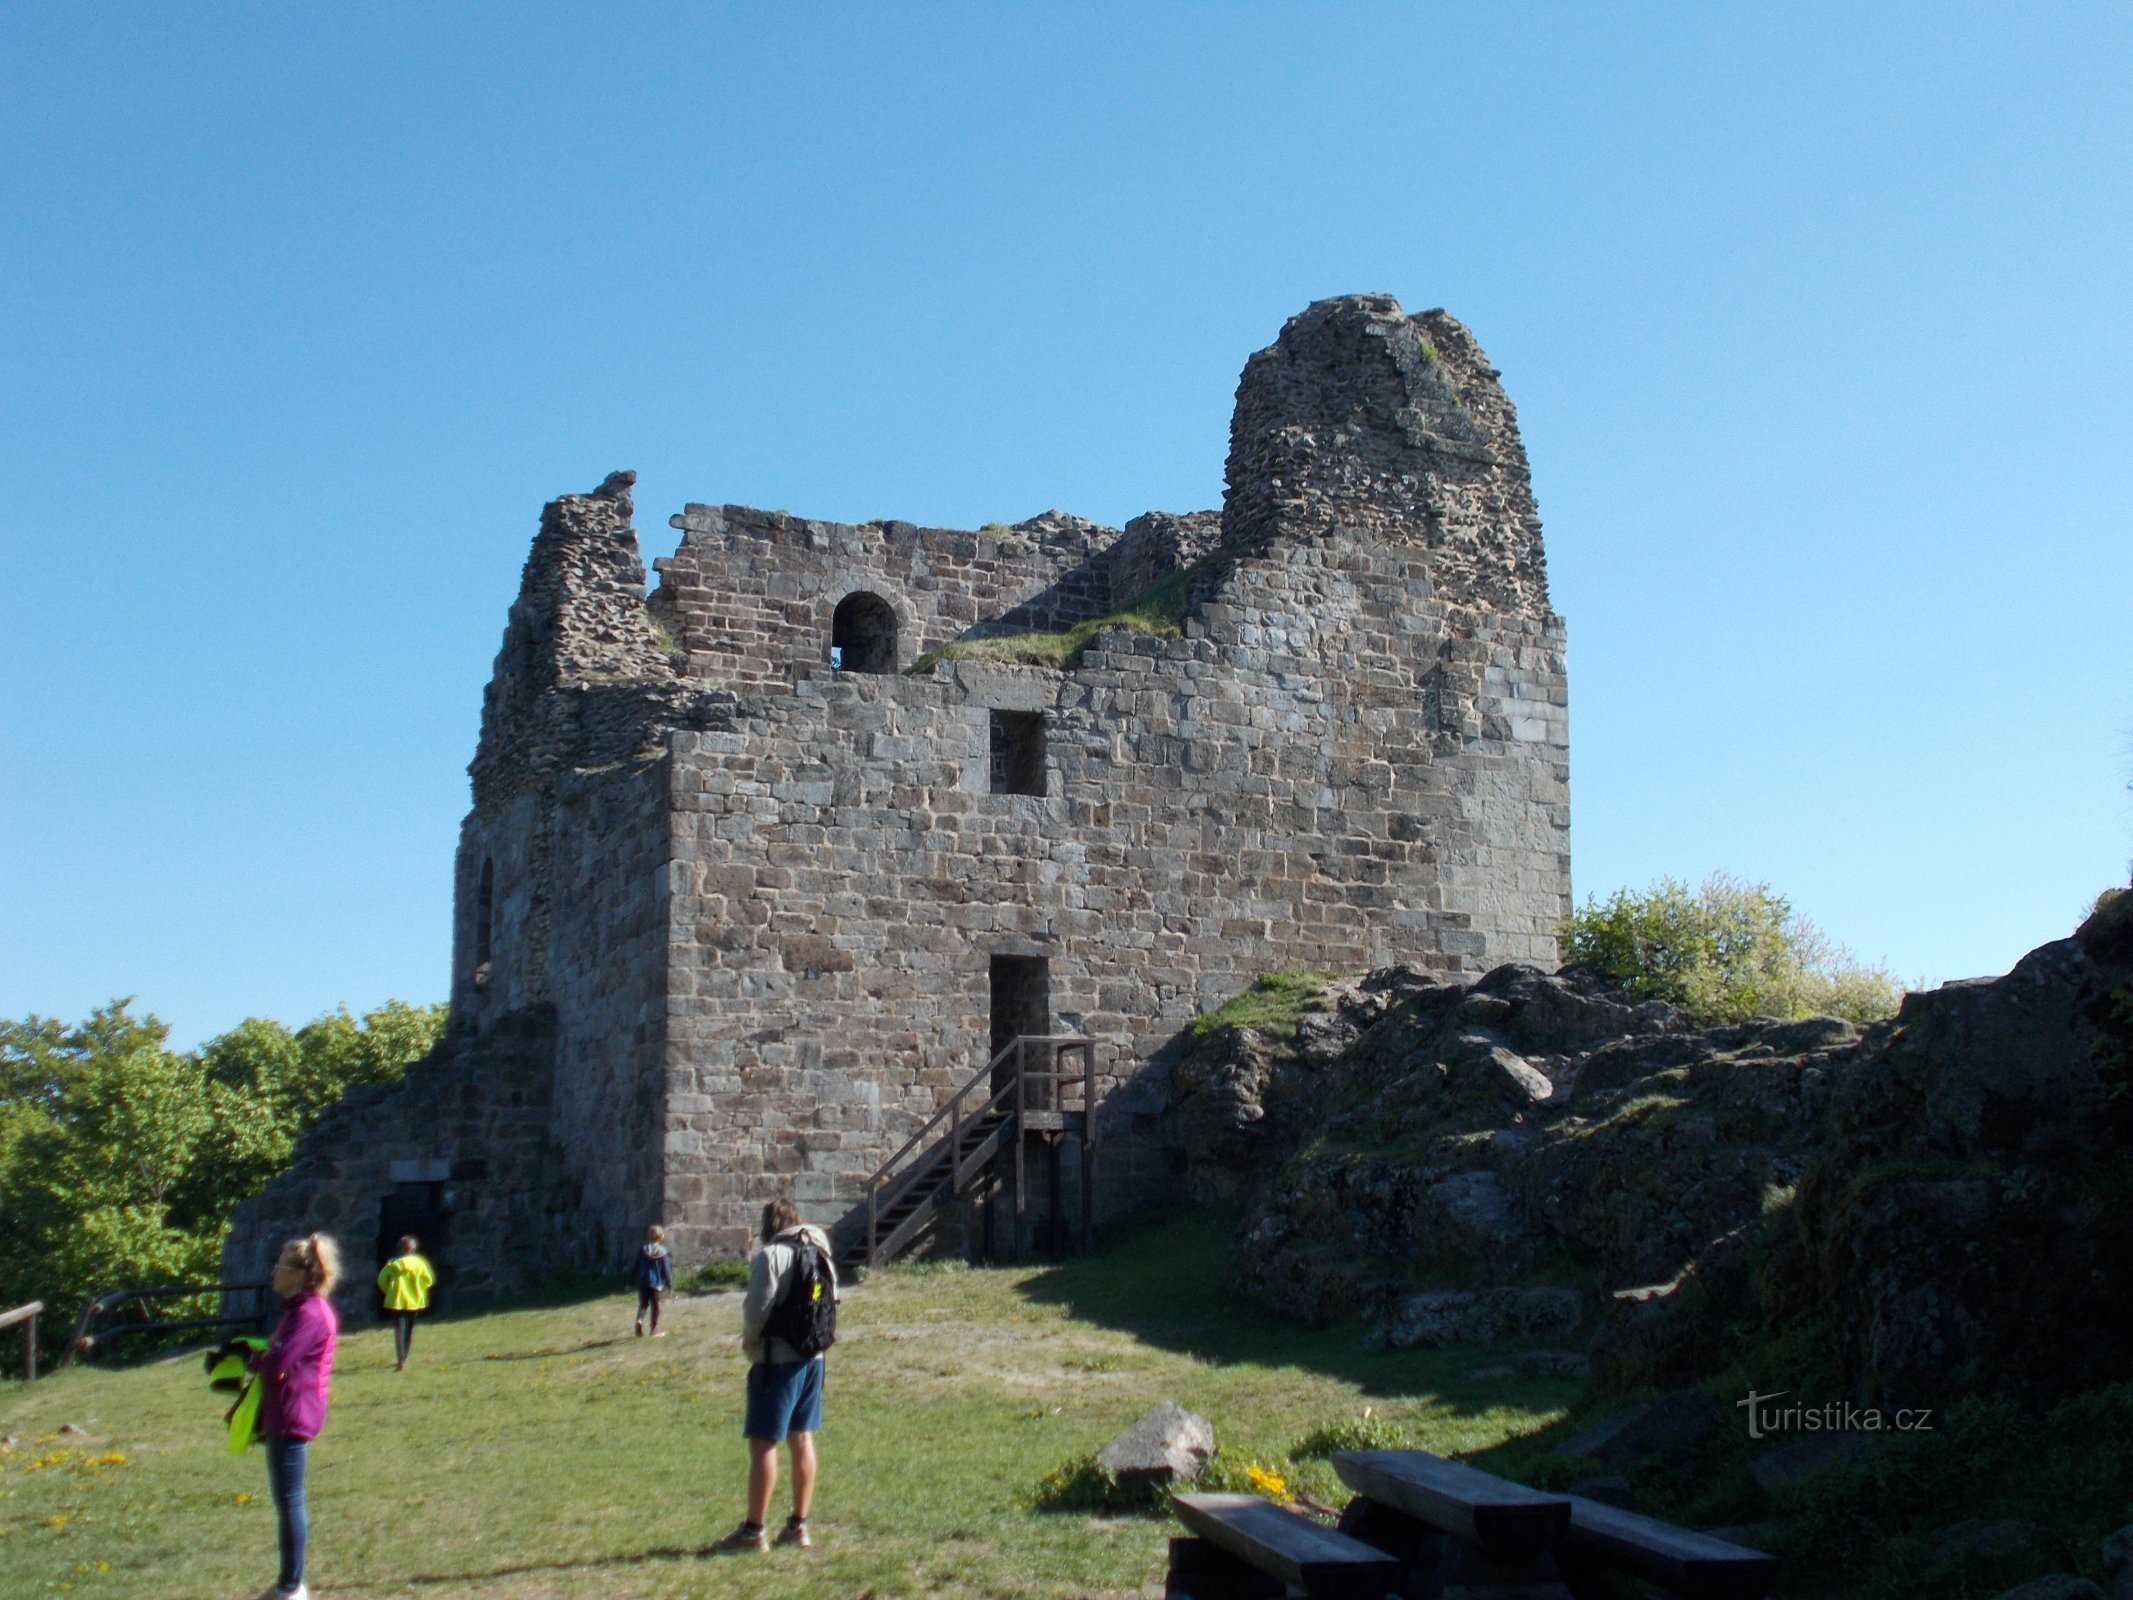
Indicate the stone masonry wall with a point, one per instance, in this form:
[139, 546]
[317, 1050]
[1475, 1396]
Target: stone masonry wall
[470, 1124]
[1361, 421]
[609, 957]
[750, 594]
[760, 898]
[1256, 797]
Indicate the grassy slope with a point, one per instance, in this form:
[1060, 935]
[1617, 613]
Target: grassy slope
[545, 1452]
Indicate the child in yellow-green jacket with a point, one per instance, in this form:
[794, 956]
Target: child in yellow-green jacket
[405, 1282]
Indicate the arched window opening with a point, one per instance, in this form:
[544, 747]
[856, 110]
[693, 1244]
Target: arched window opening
[863, 635]
[484, 908]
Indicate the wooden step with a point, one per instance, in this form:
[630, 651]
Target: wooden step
[1679, 1560]
[1501, 1517]
[1289, 1546]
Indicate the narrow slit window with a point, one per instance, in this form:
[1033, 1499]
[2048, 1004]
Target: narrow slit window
[1018, 752]
[484, 912]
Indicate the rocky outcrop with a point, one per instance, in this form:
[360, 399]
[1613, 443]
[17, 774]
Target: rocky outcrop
[1948, 1193]
[1491, 1128]
[1968, 1219]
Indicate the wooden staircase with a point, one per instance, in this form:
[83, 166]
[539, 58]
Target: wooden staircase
[976, 1144]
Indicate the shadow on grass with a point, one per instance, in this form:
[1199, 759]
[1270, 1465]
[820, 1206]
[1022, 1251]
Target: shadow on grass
[569, 1287]
[1166, 1282]
[549, 1355]
[636, 1558]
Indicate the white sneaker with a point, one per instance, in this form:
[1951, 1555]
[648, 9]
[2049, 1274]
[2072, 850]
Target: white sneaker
[275, 1591]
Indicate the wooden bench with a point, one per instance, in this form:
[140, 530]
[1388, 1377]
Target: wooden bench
[1679, 1560]
[1475, 1507]
[1508, 1522]
[1288, 1546]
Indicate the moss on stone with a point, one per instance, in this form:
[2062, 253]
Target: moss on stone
[1160, 612]
[1273, 1006]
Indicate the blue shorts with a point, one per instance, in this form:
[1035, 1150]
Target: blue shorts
[783, 1397]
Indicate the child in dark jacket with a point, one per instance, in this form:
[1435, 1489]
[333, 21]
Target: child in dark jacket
[653, 1274]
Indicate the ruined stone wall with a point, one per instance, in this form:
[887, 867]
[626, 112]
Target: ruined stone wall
[469, 1126]
[1361, 421]
[538, 1122]
[1152, 547]
[1355, 755]
[761, 898]
[608, 951]
[750, 594]
[1217, 809]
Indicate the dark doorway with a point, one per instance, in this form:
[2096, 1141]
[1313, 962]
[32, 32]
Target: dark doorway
[1021, 998]
[863, 635]
[413, 1208]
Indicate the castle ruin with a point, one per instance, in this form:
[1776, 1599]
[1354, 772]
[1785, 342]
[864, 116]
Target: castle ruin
[748, 888]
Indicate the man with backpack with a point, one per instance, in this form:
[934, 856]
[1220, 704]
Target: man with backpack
[788, 1319]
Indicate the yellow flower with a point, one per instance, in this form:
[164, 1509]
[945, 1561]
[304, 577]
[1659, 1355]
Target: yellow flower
[243, 1499]
[1266, 1482]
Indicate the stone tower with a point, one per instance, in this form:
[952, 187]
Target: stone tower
[749, 887]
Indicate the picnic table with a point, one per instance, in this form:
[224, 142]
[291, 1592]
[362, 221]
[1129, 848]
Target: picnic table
[1422, 1525]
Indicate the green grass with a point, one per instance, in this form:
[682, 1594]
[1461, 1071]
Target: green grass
[1159, 612]
[1274, 1005]
[543, 1451]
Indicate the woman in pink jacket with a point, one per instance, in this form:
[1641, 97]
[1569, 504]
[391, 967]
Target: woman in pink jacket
[295, 1369]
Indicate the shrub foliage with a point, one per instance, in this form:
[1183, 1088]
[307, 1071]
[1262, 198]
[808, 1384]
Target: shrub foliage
[1723, 952]
[121, 1159]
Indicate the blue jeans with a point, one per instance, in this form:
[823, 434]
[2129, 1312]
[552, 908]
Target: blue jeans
[285, 1476]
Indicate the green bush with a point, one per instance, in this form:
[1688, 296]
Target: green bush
[1085, 1485]
[121, 1160]
[1361, 1433]
[1724, 952]
[713, 1276]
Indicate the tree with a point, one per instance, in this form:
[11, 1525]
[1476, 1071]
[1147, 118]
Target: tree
[1729, 950]
[121, 1160]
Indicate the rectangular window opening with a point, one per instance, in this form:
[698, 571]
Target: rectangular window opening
[1018, 752]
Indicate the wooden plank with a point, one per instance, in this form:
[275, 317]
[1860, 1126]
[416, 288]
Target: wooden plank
[1499, 1516]
[1287, 1545]
[1679, 1559]
[21, 1314]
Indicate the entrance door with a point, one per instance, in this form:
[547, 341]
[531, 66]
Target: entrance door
[417, 1209]
[1021, 1004]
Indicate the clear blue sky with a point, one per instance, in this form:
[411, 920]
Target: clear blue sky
[1819, 319]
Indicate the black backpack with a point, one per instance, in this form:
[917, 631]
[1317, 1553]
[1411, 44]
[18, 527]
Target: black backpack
[805, 1316]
